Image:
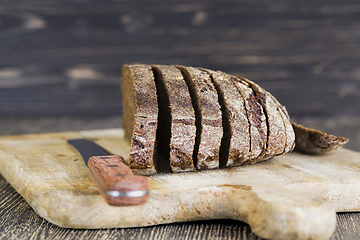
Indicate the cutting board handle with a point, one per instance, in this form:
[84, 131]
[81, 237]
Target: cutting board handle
[278, 213]
[116, 182]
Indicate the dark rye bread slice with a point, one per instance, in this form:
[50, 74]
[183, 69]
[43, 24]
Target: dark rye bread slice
[256, 119]
[208, 117]
[276, 136]
[235, 146]
[140, 116]
[313, 141]
[182, 117]
[290, 133]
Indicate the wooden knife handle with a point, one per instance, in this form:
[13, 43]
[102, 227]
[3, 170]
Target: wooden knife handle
[116, 182]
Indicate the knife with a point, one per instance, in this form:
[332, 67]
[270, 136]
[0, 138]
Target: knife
[111, 176]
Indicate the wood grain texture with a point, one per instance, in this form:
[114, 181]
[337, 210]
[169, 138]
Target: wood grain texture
[110, 173]
[19, 221]
[290, 203]
[60, 58]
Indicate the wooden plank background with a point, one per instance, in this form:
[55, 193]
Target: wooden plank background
[65, 57]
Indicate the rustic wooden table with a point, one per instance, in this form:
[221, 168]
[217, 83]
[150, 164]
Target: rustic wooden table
[60, 66]
[19, 221]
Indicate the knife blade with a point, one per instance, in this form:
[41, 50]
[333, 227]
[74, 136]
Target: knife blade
[111, 176]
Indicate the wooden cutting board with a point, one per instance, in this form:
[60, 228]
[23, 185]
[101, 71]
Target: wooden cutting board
[289, 197]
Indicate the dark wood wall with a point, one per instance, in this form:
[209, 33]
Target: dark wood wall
[65, 57]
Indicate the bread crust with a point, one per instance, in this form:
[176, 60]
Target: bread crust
[207, 113]
[211, 130]
[256, 119]
[238, 150]
[290, 134]
[140, 116]
[313, 141]
[276, 133]
[183, 129]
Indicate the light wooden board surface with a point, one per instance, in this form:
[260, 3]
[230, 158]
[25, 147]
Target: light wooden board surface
[295, 194]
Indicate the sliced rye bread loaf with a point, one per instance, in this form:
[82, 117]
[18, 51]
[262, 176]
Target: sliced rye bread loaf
[234, 118]
[256, 119]
[140, 116]
[276, 138]
[235, 145]
[208, 117]
[182, 117]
